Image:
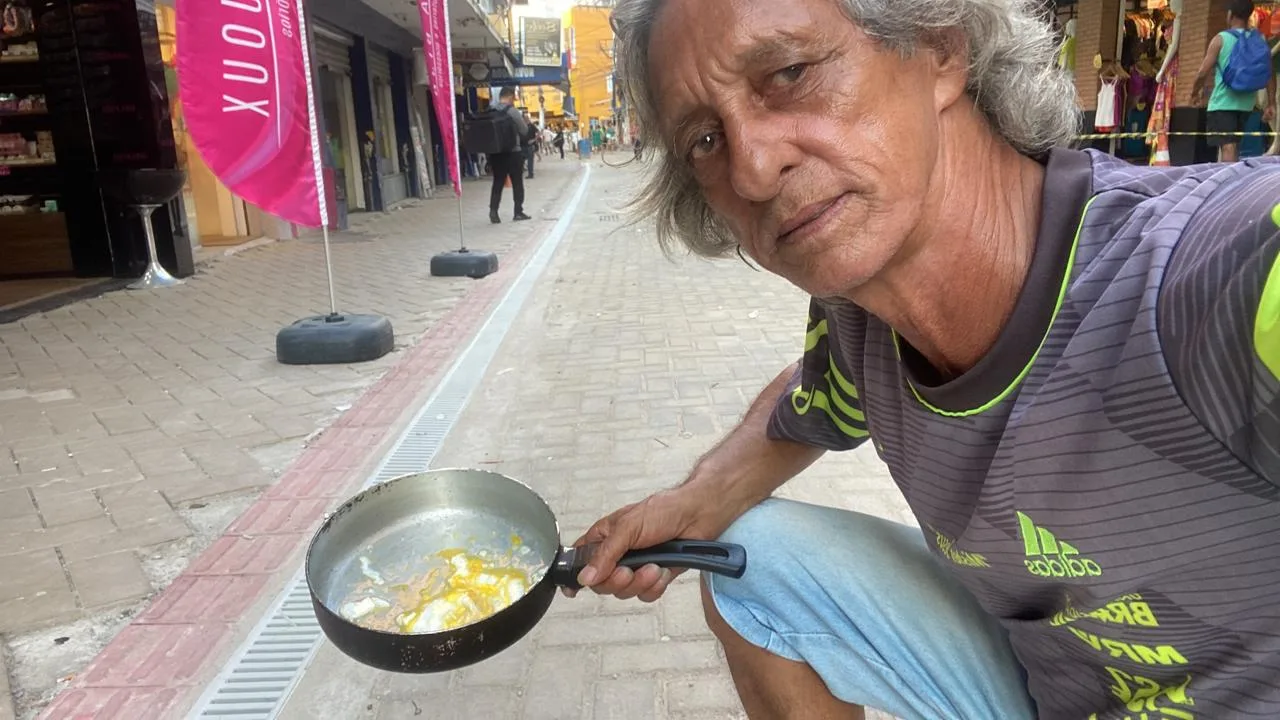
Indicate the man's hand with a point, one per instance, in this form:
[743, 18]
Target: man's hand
[685, 513]
[1269, 115]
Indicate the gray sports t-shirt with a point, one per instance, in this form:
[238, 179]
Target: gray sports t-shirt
[1106, 480]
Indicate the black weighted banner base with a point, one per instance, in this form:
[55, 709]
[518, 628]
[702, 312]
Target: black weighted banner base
[464, 263]
[334, 339]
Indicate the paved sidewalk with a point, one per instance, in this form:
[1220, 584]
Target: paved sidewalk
[621, 370]
[135, 427]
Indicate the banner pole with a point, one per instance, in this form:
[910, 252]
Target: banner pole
[462, 238]
[316, 162]
[328, 339]
[438, 47]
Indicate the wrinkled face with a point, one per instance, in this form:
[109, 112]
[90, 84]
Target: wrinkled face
[814, 143]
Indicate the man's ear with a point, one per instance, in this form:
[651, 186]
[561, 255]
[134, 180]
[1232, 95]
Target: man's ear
[949, 56]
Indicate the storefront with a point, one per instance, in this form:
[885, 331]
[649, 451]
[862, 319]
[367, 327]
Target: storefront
[338, 116]
[363, 79]
[83, 98]
[89, 89]
[1121, 47]
[386, 156]
[34, 236]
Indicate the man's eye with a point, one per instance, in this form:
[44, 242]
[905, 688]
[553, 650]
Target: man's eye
[704, 145]
[791, 73]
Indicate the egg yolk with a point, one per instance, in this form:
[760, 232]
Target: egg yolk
[473, 589]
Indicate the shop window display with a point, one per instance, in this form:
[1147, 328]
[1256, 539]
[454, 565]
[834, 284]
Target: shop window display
[1139, 85]
[33, 233]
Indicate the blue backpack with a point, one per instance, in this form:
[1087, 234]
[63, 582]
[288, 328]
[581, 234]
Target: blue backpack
[1249, 65]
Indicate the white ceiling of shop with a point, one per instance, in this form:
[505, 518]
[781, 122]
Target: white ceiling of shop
[466, 21]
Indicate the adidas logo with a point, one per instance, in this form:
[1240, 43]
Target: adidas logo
[1049, 557]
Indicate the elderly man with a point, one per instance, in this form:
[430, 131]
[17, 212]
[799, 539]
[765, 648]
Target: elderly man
[1070, 365]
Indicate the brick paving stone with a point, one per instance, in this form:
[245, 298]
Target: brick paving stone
[627, 699]
[15, 504]
[35, 590]
[109, 580]
[670, 656]
[80, 531]
[155, 531]
[559, 683]
[61, 508]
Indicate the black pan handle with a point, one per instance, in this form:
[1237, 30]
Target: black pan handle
[715, 557]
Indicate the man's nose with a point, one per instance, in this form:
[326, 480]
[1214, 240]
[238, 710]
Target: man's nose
[760, 154]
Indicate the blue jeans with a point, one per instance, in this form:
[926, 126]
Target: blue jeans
[865, 604]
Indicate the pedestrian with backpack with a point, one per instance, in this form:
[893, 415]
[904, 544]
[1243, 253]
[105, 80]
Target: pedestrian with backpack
[1238, 61]
[510, 162]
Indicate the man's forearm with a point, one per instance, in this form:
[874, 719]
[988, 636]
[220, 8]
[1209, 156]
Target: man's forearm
[747, 465]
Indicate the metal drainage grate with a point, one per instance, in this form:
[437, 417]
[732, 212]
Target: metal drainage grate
[257, 680]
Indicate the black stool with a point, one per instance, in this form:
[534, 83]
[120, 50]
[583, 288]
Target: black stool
[144, 190]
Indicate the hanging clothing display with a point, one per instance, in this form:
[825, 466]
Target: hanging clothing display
[1142, 85]
[1110, 106]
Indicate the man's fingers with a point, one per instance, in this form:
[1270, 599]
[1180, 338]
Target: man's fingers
[618, 539]
[642, 581]
[655, 591]
[618, 580]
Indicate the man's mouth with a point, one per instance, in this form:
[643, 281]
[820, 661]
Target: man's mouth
[809, 219]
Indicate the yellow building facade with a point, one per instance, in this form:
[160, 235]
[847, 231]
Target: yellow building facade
[590, 75]
[554, 100]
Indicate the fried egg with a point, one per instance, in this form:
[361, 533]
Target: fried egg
[476, 587]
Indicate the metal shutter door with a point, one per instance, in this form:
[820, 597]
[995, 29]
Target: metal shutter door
[379, 63]
[333, 54]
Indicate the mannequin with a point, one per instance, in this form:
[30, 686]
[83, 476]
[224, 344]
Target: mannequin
[1171, 55]
[1067, 53]
[1162, 108]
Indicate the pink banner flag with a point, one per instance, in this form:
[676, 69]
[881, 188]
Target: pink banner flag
[439, 51]
[245, 101]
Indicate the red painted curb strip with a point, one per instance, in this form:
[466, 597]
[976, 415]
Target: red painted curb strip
[155, 666]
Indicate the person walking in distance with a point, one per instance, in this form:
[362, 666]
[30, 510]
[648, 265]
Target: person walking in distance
[558, 140]
[531, 144]
[1235, 85]
[509, 164]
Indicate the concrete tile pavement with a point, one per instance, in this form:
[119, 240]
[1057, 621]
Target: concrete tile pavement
[135, 427]
[621, 370]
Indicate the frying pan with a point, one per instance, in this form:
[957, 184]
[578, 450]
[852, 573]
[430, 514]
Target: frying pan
[393, 527]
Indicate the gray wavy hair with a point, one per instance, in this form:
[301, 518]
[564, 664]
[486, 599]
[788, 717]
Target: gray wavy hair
[1013, 80]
